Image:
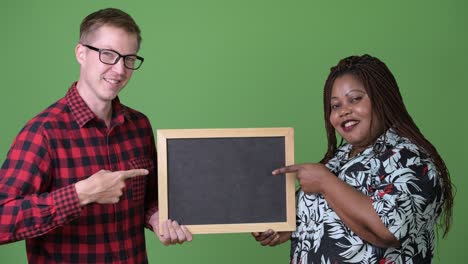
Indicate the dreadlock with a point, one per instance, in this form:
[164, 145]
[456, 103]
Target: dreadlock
[387, 103]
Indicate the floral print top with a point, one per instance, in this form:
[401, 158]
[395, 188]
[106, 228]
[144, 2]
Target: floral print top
[404, 187]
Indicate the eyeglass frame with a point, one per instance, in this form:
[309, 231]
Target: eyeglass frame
[118, 58]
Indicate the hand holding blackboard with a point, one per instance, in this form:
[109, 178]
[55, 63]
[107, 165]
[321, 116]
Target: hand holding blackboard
[171, 232]
[311, 176]
[271, 238]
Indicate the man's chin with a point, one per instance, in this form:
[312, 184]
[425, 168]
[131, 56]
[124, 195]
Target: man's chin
[108, 96]
[110, 93]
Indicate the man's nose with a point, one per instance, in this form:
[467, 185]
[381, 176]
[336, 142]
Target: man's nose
[119, 67]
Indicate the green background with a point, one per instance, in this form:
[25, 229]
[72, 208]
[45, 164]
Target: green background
[250, 63]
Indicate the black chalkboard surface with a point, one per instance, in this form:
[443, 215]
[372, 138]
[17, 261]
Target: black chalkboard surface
[219, 180]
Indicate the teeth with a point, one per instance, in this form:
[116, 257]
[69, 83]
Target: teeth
[350, 123]
[112, 80]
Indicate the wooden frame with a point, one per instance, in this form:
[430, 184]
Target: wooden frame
[163, 135]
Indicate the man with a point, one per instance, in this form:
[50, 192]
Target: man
[79, 182]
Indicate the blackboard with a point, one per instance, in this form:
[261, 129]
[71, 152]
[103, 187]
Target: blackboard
[219, 180]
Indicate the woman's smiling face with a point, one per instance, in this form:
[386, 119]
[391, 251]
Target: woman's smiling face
[351, 113]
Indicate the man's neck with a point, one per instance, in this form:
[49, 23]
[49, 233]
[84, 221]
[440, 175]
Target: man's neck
[102, 109]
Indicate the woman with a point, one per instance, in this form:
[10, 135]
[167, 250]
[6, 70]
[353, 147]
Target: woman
[375, 198]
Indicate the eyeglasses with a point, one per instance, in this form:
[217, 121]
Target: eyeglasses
[111, 57]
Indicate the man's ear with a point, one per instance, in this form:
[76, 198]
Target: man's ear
[80, 53]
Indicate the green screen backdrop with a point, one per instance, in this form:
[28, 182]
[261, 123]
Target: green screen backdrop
[249, 63]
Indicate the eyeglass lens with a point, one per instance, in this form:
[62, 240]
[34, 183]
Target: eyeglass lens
[111, 57]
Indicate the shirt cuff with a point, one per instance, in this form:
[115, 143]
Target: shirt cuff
[66, 203]
[150, 212]
[386, 206]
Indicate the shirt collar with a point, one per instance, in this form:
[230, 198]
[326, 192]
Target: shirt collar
[83, 114]
[389, 139]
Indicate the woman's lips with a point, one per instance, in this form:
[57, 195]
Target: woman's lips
[348, 125]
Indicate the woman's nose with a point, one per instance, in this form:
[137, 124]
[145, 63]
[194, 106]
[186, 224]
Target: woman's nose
[345, 110]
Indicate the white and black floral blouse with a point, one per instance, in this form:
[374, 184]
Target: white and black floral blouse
[405, 190]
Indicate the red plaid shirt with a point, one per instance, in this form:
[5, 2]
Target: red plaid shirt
[64, 144]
